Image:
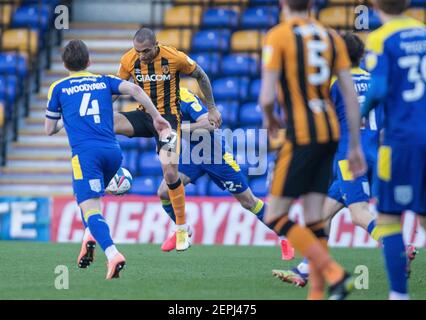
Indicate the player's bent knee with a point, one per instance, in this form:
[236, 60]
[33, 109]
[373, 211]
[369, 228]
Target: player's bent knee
[163, 192]
[171, 174]
[122, 126]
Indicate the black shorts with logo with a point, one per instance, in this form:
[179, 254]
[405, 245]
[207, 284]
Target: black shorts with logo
[143, 127]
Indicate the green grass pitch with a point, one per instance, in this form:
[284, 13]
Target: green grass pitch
[27, 271]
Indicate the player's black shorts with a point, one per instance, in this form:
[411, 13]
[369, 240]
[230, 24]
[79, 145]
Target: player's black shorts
[303, 169]
[143, 126]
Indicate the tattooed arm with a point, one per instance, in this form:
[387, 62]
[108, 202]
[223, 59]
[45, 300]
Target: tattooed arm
[206, 88]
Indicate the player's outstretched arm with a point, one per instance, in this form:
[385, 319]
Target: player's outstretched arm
[202, 123]
[52, 126]
[356, 157]
[161, 125]
[206, 89]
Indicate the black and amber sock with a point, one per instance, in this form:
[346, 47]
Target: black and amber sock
[318, 228]
[177, 198]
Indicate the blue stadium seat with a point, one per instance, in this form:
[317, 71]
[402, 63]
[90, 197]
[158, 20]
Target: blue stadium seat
[208, 61]
[51, 2]
[33, 17]
[259, 187]
[250, 140]
[211, 40]
[231, 88]
[220, 18]
[418, 3]
[146, 185]
[202, 185]
[9, 89]
[229, 111]
[239, 65]
[215, 191]
[264, 2]
[191, 190]
[250, 114]
[260, 17]
[255, 89]
[128, 143]
[147, 144]
[149, 164]
[130, 161]
[12, 63]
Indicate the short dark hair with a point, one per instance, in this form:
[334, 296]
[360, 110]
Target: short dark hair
[145, 34]
[393, 7]
[298, 5]
[355, 47]
[76, 55]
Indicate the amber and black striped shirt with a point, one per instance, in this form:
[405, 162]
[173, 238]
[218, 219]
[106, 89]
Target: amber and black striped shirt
[160, 78]
[306, 55]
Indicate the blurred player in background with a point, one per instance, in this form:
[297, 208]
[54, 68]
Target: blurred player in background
[301, 56]
[84, 102]
[156, 69]
[345, 191]
[397, 62]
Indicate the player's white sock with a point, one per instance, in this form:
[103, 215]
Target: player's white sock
[87, 233]
[282, 237]
[182, 227]
[303, 267]
[393, 295]
[111, 252]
